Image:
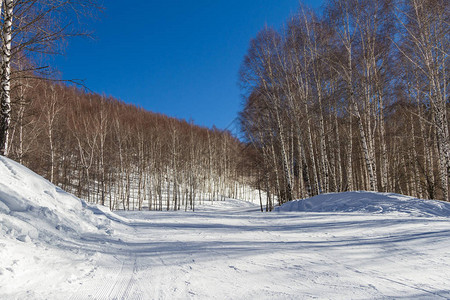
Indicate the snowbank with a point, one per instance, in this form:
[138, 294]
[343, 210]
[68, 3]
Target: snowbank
[369, 202]
[33, 209]
[45, 235]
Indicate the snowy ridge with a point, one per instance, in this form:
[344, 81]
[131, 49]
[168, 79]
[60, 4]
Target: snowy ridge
[369, 202]
[31, 208]
[43, 234]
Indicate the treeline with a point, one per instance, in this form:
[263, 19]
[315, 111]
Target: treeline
[119, 155]
[352, 99]
[99, 148]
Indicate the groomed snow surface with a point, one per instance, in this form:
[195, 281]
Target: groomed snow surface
[355, 245]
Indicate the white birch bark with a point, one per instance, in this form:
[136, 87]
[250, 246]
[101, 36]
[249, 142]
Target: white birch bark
[350, 185]
[5, 93]
[366, 152]
[339, 179]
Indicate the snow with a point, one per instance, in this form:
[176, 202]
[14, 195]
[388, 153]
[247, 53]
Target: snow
[357, 245]
[369, 202]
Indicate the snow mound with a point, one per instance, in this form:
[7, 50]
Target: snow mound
[34, 210]
[369, 202]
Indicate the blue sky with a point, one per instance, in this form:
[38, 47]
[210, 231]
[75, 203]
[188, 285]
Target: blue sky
[179, 58]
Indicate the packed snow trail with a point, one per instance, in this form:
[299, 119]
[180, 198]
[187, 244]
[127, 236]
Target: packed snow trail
[212, 254]
[55, 246]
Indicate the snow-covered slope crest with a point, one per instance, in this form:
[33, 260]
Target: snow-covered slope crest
[369, 202]
[33, 209]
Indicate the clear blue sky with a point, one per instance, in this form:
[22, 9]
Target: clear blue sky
[179, 58]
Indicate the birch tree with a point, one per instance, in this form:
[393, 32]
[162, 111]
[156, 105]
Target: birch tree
[5, 75]
[29, 27]
[426, 31]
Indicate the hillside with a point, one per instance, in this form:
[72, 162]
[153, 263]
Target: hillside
[120, 155]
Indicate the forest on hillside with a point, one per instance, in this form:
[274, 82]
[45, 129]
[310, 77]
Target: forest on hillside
[97, 147]
[351, 97]
[116, 154]
[354, 97]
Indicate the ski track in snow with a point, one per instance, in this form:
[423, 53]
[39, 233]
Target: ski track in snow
[211, 254]
[214, 254]
[116, 281]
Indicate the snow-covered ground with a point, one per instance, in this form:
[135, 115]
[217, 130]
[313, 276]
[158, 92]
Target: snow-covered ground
[55, 246]
[369, 202]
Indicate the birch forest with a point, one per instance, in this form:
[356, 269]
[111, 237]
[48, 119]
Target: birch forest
[97, 147]
[119, 155]
[355, 98]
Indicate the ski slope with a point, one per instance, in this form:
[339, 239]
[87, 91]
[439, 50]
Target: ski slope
[54, 246]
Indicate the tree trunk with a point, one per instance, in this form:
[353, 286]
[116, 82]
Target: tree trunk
[5, 94]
